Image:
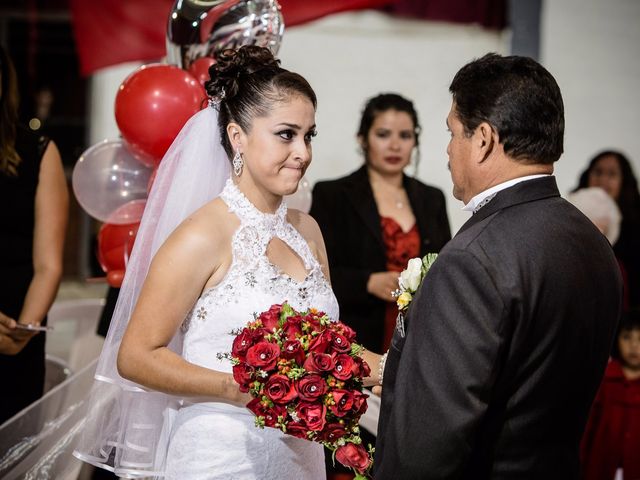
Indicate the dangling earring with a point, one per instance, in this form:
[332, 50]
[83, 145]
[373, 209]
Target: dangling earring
[238, 163]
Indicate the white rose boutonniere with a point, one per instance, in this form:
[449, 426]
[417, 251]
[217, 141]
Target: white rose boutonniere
[411, 278]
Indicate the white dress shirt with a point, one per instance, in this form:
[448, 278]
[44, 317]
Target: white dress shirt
[481, 199]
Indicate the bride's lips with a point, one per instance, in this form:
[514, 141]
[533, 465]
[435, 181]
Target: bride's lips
[296, 168]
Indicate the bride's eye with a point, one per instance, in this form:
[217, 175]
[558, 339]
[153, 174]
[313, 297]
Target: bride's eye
[286, 134]
[309, 136]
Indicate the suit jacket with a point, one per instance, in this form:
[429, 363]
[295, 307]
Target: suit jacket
[348, 217]
[506, 343]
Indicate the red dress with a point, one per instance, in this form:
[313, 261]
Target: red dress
[612, 437]
[400, 247]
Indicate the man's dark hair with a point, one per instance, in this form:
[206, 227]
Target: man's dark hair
[519, 98]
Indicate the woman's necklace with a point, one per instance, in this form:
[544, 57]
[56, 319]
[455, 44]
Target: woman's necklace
[397, 195]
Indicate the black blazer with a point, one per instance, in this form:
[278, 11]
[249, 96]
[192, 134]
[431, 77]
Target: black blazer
[348, 217]
[506, 343]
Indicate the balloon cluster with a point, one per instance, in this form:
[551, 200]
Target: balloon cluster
[112, 178]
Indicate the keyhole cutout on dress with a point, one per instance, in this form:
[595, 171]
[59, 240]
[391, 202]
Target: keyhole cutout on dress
[286, 260]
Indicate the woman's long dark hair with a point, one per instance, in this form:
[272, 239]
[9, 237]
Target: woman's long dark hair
[9, 158]
[629, 198]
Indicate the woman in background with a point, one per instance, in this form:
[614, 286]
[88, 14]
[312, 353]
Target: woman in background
[377, 218]
[33, 214]
[611, 171]
[373, 221]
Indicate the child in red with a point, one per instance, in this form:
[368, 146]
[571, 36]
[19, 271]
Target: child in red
[611, 440]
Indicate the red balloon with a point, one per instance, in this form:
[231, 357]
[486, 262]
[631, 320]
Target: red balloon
[200, 69]
[115, 243]
[152, 105]
[115, 278]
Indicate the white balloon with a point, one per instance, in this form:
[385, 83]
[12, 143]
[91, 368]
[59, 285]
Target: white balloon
[301, 200]
[107, 177]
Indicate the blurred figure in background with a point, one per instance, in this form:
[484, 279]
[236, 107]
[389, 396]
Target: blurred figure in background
[600, 208]
[611, 171]
[611, 440]
[377, 218]
[33, 219]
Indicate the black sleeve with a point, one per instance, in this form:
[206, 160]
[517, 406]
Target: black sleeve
[349, 283]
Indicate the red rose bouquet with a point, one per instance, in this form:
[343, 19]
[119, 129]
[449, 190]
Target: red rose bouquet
[305, 375]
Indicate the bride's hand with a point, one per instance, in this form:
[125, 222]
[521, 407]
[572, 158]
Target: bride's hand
[233, 395]
[242, 399]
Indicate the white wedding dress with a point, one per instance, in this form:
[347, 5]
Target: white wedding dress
[220, 441]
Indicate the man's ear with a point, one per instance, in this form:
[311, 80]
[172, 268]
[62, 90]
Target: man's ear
[236, 135]
[484, 139]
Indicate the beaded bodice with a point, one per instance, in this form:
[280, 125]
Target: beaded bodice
[252, 284]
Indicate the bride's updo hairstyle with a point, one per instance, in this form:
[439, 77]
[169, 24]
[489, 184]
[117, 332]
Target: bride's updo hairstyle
[247, 83]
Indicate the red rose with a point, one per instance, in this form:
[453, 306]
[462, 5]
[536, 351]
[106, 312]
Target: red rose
[339, 343]
[345, 367]
[321, 343]
[280, 389]
[312, 414]
[242, 343]
[271, 317]
[360, 403]
[297, 430]
[311, 387]
[270, 414]
[332, 432]
[345, 330]
[318, 362]
[243, 375]
[353, 456]
[263, 355]
[361, 368]
[292, 328]
[313, 322]
[343, 402]
[292, 350]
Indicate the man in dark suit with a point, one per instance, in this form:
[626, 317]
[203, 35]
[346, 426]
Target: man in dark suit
[505, 343]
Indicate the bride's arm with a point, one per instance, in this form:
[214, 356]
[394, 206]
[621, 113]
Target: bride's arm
[187, 263]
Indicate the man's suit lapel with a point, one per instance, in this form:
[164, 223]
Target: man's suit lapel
[527, 191]
[360, 195]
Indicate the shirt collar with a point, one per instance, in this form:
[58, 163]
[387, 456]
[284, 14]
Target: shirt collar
[481, 199]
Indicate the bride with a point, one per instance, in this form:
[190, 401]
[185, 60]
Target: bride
[163, 404]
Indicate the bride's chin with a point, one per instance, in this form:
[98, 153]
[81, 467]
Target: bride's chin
[290, 183]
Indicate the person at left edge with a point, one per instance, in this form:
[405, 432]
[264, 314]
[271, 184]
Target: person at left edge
[33, 219]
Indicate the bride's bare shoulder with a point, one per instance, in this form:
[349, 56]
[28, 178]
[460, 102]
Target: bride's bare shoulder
[209, 229]
[310, 231]
[305, 224]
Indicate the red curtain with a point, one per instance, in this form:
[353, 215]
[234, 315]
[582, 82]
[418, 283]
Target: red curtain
[109, 32]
